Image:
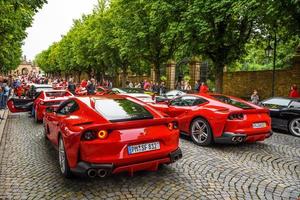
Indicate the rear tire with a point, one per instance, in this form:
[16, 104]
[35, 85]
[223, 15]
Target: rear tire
[294, 127]
[63, 161]
[201, 132]
[36, 117]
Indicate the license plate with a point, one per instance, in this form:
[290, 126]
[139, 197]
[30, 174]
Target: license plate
[143, 147]
[259, 125]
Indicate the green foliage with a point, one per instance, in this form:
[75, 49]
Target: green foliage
[15, 17]
[136, 35]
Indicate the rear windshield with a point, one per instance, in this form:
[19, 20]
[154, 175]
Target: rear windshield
[57, 94]
[231, 101]
[133, 90]
[43, 89]
[116, 110]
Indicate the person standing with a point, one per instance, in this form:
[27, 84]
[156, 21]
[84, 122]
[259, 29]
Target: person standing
[91, 87]
[197, 85]
[5, 93]
[294, 92]
[203, 88]
[255, 97]
[162, 89]
[71, 86]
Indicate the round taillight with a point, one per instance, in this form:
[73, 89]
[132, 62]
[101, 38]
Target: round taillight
[170, 126]
[102, 134]
[42, 102]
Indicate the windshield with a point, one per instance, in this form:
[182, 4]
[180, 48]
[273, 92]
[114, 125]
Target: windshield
[276, 103]
[57, 94]
[231, 101]
[116, 110]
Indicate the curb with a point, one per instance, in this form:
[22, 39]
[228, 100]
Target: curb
[3, 123]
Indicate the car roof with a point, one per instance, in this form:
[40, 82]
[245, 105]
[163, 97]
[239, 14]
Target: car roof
[287, 98]
[41, 86]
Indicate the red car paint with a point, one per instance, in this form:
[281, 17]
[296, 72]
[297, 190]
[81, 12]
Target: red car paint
[49, 99]
[217, 113]
[112, 150]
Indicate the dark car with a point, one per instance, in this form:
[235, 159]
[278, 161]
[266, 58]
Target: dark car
[285, 113]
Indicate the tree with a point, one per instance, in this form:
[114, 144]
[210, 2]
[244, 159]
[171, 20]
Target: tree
[15, 17]
[220, 31]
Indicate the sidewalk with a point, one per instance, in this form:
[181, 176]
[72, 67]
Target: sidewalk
[4, 116]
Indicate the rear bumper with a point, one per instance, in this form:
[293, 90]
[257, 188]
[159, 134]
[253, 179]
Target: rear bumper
[83, 168]
[234, 138]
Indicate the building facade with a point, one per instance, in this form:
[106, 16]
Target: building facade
[26, 67]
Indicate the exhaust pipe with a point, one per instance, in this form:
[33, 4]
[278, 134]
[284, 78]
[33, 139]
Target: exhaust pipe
[92, 173]
[102, 173]
[240, 139]
[233, 139]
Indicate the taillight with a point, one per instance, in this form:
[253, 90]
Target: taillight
[42, 102]
[172, 126]
[102, 134]
[239, 116]
[92, 135]
[89, 135]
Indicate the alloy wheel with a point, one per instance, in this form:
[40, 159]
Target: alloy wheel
[295, 127]
[62, 156]
[199, 131]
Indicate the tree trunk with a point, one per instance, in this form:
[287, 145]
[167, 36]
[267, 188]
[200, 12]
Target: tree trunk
[157, 72]
[124, 76]
[79, 76]
[219, 77]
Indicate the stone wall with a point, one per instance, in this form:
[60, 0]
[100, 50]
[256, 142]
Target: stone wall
[241, 84]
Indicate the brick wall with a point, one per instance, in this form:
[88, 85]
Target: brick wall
[241, 84]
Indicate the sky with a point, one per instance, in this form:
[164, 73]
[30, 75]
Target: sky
[53, 21]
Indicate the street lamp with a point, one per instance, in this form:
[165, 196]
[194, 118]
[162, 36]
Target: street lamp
[269, 51]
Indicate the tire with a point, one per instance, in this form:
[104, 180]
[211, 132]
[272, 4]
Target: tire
[294, 127]
[36, 116]
[46, 130]
[201, 132]
[62, 159]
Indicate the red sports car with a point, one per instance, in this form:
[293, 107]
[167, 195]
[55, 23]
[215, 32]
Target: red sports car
[100, 135]
[39, 104]
[218, 118]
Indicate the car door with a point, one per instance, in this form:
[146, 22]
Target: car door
[16, 105]
[180, 105]
[56, 118]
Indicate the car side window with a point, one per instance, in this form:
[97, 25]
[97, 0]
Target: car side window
[294, 104]
[68, 108]
[176, 102]
[188, 101]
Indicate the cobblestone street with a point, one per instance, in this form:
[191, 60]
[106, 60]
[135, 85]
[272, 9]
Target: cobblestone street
[264, 170]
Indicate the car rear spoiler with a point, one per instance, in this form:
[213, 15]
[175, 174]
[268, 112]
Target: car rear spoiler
[126, 124]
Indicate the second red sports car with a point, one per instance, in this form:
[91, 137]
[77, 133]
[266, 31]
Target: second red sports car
[218, 118]
[39, 103]
[101, 135]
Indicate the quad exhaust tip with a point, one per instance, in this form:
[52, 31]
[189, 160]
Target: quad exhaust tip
[237, 139]
[102, 173]
[92, 173]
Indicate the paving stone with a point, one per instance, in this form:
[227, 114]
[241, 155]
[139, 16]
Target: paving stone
[263, 170]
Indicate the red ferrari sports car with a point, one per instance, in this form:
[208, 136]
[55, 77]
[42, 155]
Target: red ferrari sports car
[39, 103]
[102, 135]
[218, 118]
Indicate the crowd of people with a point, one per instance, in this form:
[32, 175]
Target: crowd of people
[161, 89]
[19, 85]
